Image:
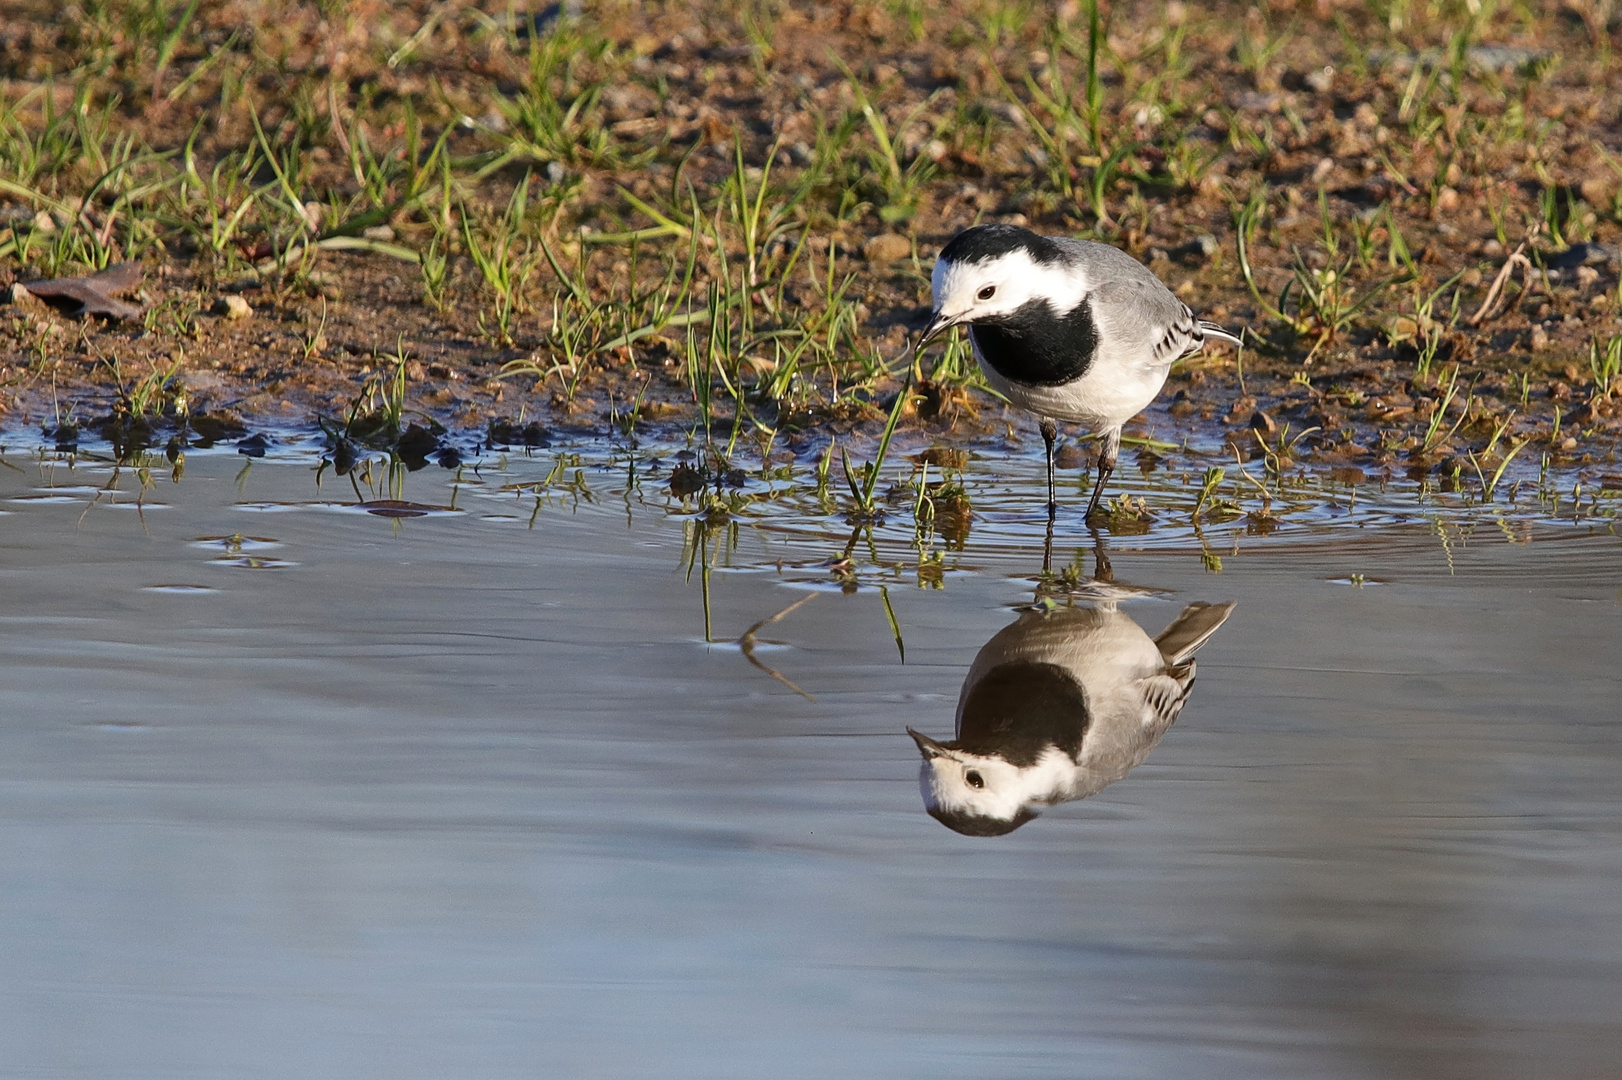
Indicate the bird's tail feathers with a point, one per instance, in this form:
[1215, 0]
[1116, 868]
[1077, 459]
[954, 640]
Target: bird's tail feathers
[1192, 629]
[1212, 330]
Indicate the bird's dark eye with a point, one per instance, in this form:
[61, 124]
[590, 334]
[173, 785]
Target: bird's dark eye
[986, 294]
[975, 779]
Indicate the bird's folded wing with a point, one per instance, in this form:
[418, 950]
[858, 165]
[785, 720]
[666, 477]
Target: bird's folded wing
[1143, 319]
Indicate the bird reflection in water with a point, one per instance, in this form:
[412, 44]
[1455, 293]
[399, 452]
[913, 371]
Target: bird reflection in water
[1058, 706]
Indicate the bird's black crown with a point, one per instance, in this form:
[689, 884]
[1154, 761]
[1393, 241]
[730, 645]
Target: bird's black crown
[983, 242]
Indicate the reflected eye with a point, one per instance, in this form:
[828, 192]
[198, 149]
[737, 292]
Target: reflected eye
[975, 779]
[986, 294]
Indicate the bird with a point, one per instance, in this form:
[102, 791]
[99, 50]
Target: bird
[1057, 706]
[1067, 329]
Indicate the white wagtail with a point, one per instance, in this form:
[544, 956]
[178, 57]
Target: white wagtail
[1057, 706]
[1067, 329]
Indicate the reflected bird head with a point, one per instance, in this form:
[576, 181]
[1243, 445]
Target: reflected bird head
[974, 794]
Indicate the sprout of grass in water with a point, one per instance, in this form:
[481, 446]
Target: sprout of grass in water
[863, 494]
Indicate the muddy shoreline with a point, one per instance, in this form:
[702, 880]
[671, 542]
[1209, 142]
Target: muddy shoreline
[692, 219]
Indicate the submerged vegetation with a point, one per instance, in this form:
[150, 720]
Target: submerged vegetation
[414, 219]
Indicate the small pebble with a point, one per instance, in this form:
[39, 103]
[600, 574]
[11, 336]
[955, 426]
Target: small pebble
[887, 248]
[233, 307]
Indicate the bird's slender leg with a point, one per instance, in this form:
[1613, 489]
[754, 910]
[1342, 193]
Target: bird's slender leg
[1047, 550]
[1050, 432]
[1106, 466]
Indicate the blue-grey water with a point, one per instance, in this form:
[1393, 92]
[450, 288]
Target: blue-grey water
[289, 789]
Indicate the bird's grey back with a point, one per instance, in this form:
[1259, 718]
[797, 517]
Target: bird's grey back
[1133, 307]
[1103, 262]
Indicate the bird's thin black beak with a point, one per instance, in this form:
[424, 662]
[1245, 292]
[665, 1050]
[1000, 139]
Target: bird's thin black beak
[937, 326]
[926, 746]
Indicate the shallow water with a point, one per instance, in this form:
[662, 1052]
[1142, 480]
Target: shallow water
[291, 789]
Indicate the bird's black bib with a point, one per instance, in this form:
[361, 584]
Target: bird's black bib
[1032, 345]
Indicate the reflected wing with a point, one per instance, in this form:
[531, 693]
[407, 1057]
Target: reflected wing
[1191, 629]
[1164, 696]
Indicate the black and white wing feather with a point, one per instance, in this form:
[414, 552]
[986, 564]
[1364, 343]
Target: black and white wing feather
[1165, 695]
[1139, 316]
[1187, 335]
[1182, 337]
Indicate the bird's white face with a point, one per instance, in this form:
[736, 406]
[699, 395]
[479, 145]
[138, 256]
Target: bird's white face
[969, 292]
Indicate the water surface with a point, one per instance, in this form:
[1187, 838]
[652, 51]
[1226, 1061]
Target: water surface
[292, 789]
